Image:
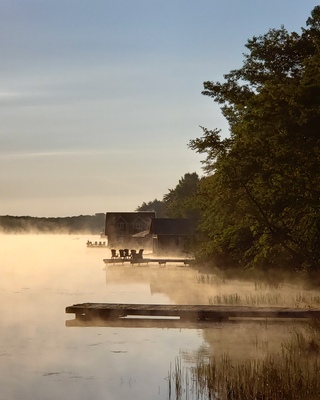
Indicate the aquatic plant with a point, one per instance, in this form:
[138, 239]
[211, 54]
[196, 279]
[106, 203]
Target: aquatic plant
[210, 279]
[299, 299]
[225, 299]
[291, 374]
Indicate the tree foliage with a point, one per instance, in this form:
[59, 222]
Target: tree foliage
[260, 198]
[178, 202]
[155, 205]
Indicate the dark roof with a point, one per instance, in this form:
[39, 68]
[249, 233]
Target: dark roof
[129, 216]
[172, 226]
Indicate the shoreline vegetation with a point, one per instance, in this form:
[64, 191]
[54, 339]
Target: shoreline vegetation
[292, 373]
[85, 224]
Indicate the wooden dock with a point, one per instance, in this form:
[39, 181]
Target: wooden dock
[160, 261]
[87, 311]
[97, 245]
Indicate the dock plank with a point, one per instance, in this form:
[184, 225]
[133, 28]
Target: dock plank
[186, 312]
[160, 261]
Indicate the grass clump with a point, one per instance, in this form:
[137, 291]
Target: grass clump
[281, 377]
[210, 279]
[293, 373]
[225, 299]
[272, 299]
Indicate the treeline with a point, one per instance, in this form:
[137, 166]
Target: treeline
[178, 202]
[86, 224]
[258, 203]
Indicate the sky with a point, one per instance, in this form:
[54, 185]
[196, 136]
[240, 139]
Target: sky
[99, 99]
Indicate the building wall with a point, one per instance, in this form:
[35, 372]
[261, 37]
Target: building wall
[120, 226]
[166, 245]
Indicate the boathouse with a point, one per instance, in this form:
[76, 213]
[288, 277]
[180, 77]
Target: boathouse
[172, 236]
[121, 228]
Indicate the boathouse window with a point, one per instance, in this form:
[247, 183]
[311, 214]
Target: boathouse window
[121, 226]
[138, 226]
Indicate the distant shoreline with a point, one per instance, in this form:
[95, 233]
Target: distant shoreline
[86, 224]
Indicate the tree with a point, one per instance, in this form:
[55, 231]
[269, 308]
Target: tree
[179, 202]
[260, 198]
[155, 205]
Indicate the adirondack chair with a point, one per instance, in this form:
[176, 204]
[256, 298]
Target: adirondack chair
[114, 253]
[140, 254]
[126, 253]
[121, 253]
[133, 254]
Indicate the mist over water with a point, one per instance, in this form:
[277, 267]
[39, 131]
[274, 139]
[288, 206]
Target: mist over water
[42, 358]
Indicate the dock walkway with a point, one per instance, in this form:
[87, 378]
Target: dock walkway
[186, 312]
[160, 261]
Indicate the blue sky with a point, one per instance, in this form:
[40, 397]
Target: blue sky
[99, 99]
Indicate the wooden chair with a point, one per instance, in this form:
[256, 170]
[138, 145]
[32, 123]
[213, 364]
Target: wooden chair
[133, 254]
[114, 253]
[126, 253]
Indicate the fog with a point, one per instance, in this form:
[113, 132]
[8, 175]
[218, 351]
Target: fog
[43, 358]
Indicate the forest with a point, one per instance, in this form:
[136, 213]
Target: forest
[84, 224]
[257, 203]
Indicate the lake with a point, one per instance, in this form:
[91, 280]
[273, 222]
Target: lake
[43, 358]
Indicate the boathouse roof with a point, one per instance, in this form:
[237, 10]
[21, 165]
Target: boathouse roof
[172, 226]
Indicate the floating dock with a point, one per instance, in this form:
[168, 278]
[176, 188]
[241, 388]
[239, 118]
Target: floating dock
[160, 261]
[97, 245]
[113, 311]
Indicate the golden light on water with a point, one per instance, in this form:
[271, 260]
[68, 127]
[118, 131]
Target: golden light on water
[43, 358]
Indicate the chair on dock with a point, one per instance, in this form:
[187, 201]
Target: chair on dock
[133, 254]
[121, 253]
[126, 253]
[114, 253]
[140, 254]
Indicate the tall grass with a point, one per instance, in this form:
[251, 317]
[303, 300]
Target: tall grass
[291, 374]
[277, 377]
[299, 299]
[210, 279]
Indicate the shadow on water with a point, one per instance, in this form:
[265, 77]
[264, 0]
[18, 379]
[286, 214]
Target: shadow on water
[177, 323]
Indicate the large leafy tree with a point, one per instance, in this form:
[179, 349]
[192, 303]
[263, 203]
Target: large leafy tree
[179, 202]
[261, 199]
[155, 205]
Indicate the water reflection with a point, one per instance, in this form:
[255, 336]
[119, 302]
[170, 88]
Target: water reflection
[43, 356]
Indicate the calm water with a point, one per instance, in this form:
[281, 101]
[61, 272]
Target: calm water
[43, 358]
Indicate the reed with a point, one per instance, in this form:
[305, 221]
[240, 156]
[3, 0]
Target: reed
[178, 381]
[291, 374]
[225, 299]
[299, 299]
[210, 279]
[268, 285]
[178, 378]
